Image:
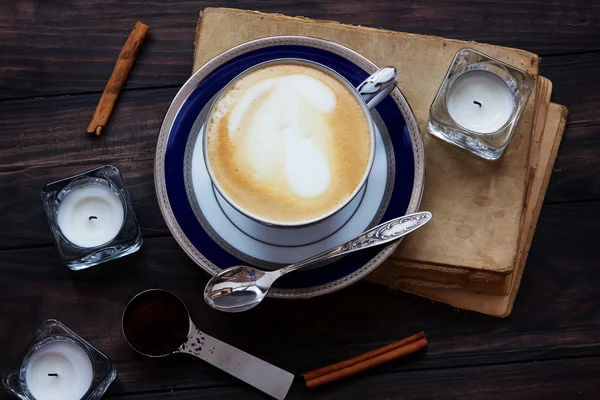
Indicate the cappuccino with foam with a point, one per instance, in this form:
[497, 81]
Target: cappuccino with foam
[288, 142]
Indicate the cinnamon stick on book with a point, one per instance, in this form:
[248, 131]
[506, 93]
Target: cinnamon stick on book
[363, 362]
[117, 79]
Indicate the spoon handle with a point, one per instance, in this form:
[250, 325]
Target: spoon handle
[377, 86]
[381, 234]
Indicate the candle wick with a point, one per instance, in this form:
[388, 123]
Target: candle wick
[478, 103]
[52, 374]
[93, 217]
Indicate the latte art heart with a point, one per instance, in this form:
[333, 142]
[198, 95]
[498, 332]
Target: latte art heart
[288, 142]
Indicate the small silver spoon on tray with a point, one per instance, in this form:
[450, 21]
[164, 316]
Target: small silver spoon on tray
[241, 288]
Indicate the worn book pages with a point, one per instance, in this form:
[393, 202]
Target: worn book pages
[397, 272]
[465, 194]
[501, 305]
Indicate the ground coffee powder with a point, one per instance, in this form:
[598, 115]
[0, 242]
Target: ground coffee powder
[156, 323]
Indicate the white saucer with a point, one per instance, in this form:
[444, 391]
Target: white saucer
[270, 247]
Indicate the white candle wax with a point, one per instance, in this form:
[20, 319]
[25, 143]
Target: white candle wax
[480, 101]
[72, 366]
[90, 215]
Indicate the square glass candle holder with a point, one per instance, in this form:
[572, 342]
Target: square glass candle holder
[99, 370]
[479, 103]
[91, 217]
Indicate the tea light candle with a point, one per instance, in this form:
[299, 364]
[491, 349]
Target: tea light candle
[480, 101]
[90, 215]
[59, 371]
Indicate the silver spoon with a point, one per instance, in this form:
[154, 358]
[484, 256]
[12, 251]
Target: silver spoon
[241, 288]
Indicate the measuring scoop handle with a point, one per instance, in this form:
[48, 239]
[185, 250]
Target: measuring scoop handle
[266, 377]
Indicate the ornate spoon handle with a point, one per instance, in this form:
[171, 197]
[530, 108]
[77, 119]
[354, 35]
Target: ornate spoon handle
[381, 234]
[378, 85]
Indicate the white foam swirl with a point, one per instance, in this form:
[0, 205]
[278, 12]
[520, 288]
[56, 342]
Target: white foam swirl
[286, 131]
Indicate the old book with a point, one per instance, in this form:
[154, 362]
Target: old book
[501, 305]
[462, 191]
[397, 271]
[478, 206]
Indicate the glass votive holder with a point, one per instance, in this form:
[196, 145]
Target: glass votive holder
[479, 103]
[91, 217]
[58, 364]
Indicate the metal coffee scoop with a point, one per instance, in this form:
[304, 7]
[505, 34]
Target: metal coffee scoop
[266, 377]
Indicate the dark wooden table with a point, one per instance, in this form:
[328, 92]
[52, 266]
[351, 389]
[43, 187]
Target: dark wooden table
[55, 58]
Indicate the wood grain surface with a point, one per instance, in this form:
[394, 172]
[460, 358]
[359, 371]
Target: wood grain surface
[56, 58]
[58, 47]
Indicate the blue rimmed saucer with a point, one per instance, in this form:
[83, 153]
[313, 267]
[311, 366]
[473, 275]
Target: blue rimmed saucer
[215, 237]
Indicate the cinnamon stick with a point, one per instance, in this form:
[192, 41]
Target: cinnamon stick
[365, 361]
[355, 360]
[117, 79]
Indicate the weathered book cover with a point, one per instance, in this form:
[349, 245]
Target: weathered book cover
[501, 305]
[397, 272]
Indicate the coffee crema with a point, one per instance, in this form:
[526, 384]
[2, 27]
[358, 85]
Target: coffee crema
[288, 142]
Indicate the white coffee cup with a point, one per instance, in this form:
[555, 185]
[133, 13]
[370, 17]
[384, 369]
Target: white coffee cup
[368, 94]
